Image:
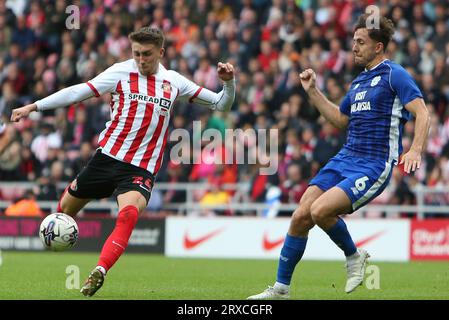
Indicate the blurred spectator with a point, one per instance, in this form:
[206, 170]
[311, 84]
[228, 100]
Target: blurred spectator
[215, 196]
[10, 156]
[191, 49]
[401, 192]
[441, 36]
[216, 53]
[177, 174]
[260, 184]
[46, 190]
[422, 32]
[81, 161]
[206, 74]
[23, 35]
[428, 58]
[8, 14]
[16, 78]
[29, 168]
[156, 202]
[36, 17]
[8, 100]
[328, 143]
[45, 140]
[267, 54]
[336, 58]
[259, 90]
[79, 130]
[181, 33]
[413, 57]
[160, 21]
[25, 206]
[198, 12]
[432, 94]
[294, 187]
[115, 42]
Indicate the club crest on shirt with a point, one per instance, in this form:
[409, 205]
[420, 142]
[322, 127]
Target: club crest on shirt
[166, 87]
[375, 81]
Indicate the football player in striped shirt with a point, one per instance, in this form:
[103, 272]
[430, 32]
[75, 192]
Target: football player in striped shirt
[379, 102]
[132, 144]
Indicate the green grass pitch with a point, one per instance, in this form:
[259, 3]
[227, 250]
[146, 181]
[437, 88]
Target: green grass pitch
[42, 275]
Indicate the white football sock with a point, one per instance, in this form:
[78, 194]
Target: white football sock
[355, 255]
[102, 270]
[280, 287]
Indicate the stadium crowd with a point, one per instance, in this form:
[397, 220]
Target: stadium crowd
[42, 49]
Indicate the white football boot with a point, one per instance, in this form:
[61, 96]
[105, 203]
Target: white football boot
[355, 268]
[270, 294]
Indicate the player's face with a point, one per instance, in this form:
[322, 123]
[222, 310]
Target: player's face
[147, 57]
[364, 48]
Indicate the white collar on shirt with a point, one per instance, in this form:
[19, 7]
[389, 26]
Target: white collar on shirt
[376, 65]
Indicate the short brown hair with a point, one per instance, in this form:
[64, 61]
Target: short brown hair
[147, 35]
[382, 34]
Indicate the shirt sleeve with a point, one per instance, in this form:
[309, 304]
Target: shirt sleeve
[105, 81]
[404, 86]
[345, 106]
[187, 88]
[65, 97]
[221, 101]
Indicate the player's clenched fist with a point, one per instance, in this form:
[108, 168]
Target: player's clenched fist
[22, 112]
[307, 78]
[225, 71]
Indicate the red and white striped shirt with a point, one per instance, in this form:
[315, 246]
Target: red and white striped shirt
[140, 112]
[140, 109]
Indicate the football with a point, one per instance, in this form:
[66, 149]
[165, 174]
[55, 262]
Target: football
[58, 232]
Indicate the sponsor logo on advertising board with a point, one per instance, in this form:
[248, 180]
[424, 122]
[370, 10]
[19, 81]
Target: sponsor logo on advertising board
[241, 237]
[429, 240]
[23, 234]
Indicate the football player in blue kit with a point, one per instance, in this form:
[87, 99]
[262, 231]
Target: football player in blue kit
[379, 102]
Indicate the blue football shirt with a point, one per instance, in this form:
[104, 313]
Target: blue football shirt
[375, 106]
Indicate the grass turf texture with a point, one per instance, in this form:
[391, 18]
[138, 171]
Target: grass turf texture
[42, 275]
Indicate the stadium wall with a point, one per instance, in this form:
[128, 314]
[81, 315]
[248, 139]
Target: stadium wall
[385, 239]
[23, 234]
[245, 238]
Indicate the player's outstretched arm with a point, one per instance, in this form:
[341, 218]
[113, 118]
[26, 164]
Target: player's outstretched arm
[223, 100]
[412, 159]
[329, 110]
[62, 98]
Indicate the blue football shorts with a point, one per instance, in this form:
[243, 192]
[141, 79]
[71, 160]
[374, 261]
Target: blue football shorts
[362, 179]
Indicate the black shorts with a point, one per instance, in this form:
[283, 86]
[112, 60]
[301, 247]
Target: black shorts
[104, 175]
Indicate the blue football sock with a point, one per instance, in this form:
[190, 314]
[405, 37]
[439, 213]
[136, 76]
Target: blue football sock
[291, 253]
[340, 235]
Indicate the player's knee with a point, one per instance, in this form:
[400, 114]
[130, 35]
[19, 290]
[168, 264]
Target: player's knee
[318, 211]
[301, 214]
[301, 218]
